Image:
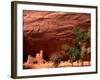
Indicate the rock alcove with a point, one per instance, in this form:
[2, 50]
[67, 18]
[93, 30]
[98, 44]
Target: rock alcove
[49, 30]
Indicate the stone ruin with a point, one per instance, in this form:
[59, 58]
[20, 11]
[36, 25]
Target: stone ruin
[38, 59]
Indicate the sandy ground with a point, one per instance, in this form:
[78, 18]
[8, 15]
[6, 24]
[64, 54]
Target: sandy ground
[50, 64]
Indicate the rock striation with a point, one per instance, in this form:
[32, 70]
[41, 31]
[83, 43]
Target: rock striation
[49, 30]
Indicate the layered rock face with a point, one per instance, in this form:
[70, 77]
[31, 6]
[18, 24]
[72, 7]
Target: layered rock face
[48, 31]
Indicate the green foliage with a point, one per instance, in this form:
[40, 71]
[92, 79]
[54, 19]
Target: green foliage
[56, 58]
[74, 54]
[80, 36]
[86, 36]
[77, 31]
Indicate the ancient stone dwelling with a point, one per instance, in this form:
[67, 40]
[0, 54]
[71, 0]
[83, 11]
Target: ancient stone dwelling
[38, 59]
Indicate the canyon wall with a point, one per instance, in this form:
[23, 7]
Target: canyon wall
[48, 31]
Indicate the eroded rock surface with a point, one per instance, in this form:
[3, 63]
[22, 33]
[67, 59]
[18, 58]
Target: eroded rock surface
[49, 30]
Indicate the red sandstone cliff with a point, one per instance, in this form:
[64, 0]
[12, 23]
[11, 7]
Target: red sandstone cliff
[49, 30]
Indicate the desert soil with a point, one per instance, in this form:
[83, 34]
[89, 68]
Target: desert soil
[50, 64]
